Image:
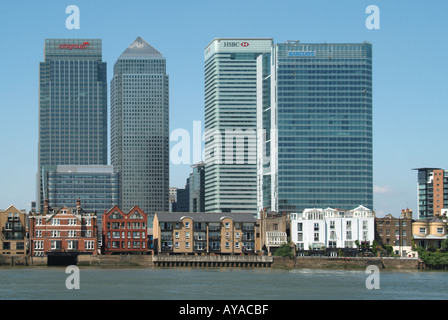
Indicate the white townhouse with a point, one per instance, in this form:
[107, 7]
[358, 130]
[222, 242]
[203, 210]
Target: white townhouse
[332, 228]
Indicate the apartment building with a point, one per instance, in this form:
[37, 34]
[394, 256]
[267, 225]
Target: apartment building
[315, 228]
[204, 233]
[63, 232]
[125, 232]
[13, 231]
[273, 227]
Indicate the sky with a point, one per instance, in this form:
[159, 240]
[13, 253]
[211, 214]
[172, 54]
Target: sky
[409, 72]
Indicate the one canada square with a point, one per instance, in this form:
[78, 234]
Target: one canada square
[72, 107]
[140, 127]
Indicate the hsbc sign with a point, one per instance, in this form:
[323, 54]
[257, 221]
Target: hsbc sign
[235, 44]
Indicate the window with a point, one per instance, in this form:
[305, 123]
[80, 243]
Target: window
[422, 230]
[316, 236]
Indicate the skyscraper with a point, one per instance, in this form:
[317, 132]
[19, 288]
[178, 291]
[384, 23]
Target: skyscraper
[315, 127]
[72, 107]
[231, 122]
[432, 192]
[140, 128]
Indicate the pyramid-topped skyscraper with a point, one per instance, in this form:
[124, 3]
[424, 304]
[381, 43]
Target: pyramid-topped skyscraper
[140, 127]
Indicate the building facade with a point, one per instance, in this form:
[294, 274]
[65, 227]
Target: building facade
[72, 107]
[13, 239]
[197, 188]
[96, 186]
[315, 127]
[429, 233]
[63, 231]
[274, 229]
[125, 232]
[204, 233]
[432, 192]
[315, 229]
[140, 127]
[396, 232]
[231, 123]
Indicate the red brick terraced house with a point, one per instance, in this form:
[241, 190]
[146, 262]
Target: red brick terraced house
[125, 233]
[63, 232]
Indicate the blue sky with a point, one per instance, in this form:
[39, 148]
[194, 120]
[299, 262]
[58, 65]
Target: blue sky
[409, 73]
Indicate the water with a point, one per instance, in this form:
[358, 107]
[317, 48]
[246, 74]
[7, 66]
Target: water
[28, 283]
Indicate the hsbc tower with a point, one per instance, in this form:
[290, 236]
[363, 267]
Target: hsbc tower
[230, 73]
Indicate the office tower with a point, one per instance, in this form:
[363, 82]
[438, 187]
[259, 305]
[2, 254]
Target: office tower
[96, 186]
[432, 192]
[315, 127]
[196, 188]
[231, 122]
[72, 107]
[139, 127]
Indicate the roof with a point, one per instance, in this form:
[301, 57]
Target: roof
[205, 216]
[140, 49]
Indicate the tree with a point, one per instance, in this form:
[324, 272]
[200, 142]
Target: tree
[284, 250]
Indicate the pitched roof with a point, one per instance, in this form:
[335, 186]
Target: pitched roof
[205, 216]
[140, 49]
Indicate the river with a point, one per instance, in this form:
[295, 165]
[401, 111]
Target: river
[101, 283]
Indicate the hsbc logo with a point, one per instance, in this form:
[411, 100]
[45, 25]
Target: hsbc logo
[235, 44]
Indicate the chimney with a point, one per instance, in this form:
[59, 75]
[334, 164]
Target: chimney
[78, 205]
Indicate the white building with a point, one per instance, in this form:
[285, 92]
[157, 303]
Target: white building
[332, 228]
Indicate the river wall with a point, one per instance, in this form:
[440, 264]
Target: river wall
[226, 261]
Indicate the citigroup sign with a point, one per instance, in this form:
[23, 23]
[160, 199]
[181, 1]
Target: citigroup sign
[66, 46]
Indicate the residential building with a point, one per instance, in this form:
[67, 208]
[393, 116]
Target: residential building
[274, 229]
[231, 122]
[396, 232]
[197, 188]
[204, 233]
[72, 107]
[63, 232]
[432, 192]
[140, 128]
[314, 120]
[125, 232]
[316, 228]
[429, 233]
[13, 237]
[96, 186]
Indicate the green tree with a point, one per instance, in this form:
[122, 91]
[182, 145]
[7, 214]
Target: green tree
[285, 250]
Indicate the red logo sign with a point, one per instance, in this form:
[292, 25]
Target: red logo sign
[244, 44]
[74, 46]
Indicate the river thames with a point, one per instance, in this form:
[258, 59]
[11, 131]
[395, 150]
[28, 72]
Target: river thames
[101, 283]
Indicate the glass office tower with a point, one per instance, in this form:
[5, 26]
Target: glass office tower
[72, 107]
[140, 128]
[96, 186]
[231, 122]
[316, 120]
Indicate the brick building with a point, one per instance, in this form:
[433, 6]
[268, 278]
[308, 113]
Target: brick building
[63, 232]
[125, 232]
[396, 232]
[205, 233]
[274, 229]
[13, 232]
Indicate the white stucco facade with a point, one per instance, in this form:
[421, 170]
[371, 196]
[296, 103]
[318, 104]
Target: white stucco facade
[332, 228]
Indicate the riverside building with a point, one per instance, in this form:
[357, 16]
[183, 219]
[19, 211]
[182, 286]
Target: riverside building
[314, 120]
[72, 107]
[231, 122]
[140, 128]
